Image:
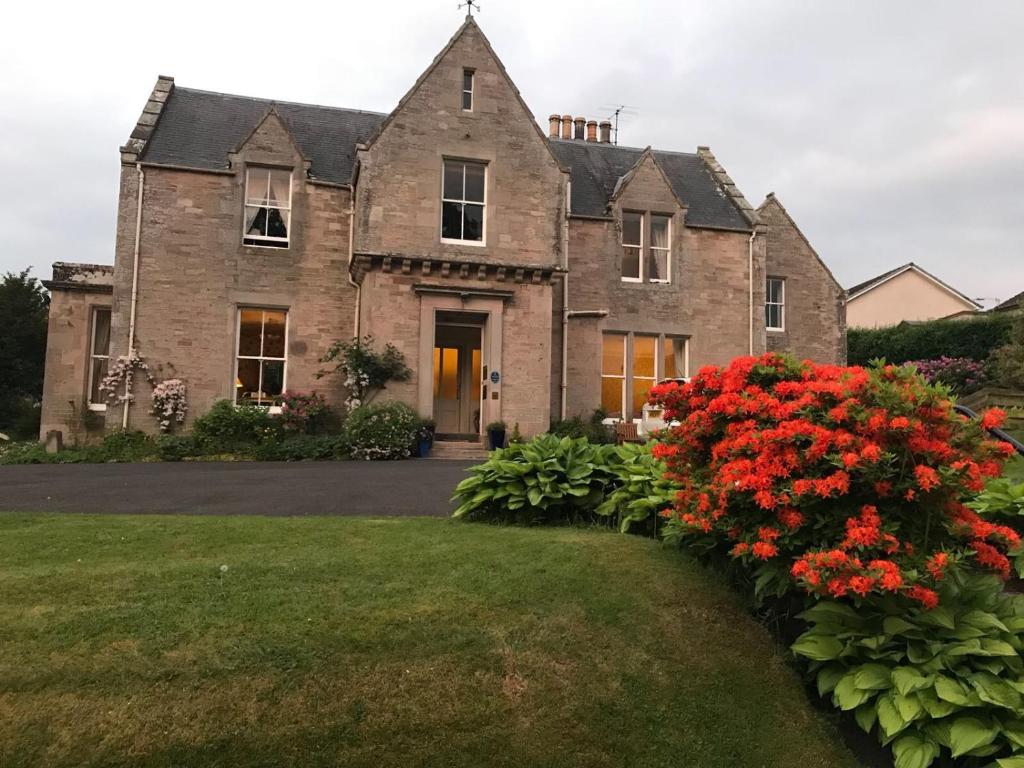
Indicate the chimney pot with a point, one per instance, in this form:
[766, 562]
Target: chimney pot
[580, 123]
[592, 130]
[566, 126]
[606, 131]
[554, 122]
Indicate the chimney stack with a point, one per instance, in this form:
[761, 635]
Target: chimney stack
[553, 125]
[566, 126]
[606, 132]
[580, 123]
[592, 130]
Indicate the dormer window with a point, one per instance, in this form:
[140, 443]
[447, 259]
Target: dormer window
[467, 90]
[268, 207]
[646, 247]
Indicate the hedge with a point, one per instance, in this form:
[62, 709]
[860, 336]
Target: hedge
[973, 338]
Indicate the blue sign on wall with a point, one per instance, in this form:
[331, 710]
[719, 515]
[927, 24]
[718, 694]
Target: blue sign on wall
[495, 377]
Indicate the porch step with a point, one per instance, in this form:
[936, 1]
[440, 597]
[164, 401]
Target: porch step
[458, 449]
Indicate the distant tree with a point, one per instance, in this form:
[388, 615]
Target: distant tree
[1008, 360]
[24, 307]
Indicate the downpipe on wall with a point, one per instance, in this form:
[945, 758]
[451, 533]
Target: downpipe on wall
[351, 247]
[135, 290]
[565, 301]
[750, 265]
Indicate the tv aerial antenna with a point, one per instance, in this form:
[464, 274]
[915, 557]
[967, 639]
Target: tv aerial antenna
[623, 111]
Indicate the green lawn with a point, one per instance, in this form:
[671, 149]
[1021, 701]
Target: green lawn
[412, 642]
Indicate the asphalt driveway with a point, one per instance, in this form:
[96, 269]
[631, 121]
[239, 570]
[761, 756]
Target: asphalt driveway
[417, 487]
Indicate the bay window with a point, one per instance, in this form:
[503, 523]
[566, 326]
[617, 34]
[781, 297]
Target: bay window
[261, 356]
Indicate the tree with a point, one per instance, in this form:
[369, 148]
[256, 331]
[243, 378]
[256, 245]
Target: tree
[24, 307]
[1008, 360]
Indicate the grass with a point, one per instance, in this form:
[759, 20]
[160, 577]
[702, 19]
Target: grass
[402, 642]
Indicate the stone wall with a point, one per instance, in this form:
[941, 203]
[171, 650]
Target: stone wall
[815, 313]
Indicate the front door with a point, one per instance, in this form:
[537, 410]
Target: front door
[457, 380]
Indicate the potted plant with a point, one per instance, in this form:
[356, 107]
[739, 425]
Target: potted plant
[496, 434]
[425, 437]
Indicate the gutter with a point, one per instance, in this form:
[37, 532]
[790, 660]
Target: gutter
[135, 289]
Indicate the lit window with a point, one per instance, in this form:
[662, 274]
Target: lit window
[99, 357]
[260, 363]
[268, 207]
[613, 374]
[632, 246]
[775, 304]
[467, 90]
[660, 263]
[644, 359]
[675, 358]
[462, 206]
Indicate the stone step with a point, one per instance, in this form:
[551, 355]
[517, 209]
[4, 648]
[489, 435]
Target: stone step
[458, 449]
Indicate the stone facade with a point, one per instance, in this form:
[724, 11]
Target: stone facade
[365, 254]
[815, 309]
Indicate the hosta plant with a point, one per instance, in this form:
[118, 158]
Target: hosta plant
[641, 492]
[548, 479]
[942, 686]
[843, 482]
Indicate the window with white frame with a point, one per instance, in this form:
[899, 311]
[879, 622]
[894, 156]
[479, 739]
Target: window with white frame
[613, 373]
[775, 304]
[651, 358]
[268, 207]
[260, 364]
[632, 246]
[660, 263]
[463, 201]
[467, 90]
[99, 357]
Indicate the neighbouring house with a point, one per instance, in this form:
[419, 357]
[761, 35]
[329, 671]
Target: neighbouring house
[1012, 304]
[524, 276]
[905, 294]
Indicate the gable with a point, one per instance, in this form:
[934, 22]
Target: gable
[775, 215]
[645, 186]
[271, 139]
[920, 276]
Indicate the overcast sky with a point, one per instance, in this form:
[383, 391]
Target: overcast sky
[892, 131]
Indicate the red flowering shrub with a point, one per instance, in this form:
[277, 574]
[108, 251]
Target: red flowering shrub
[845, 481]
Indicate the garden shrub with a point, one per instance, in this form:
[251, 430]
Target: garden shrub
[593, 428]
[306, 414]
[32, 452]
[381, 431]
[946, 682]
[1008, 360]
[546, 480]
[640, 491]
[302, 448]
[122, 445]
[227, 427]
[974, 338]
[961, 374]
[177, 447]
[841, 481]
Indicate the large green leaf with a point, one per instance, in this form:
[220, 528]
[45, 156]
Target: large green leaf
[969, 733]
[828, 677]
[818, 647]
[889, 717]
[907, 680]
[912, 751]
[847, 695]
[995, 691]
[950, 690]
[873, 677]
[866, 715]
[1014, 761]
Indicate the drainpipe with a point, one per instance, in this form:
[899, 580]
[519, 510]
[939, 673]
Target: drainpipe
[565, 299]
[750, 260]
[135, 288]
[351, 241]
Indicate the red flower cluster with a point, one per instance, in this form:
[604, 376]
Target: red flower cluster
[851, 479]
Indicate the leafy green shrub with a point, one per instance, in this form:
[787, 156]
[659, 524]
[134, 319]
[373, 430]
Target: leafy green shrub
[946, 682]
[227, 428]
[307, 414]
[641, 491]
[176, 447]
[973, 338]
[545, 480]
[594, 428]
[302, 448]
[122, 446]
[1008, 360]
[381, 431]
[365, 371]
[25, 453]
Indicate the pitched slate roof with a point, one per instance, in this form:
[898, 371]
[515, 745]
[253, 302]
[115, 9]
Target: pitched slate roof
[1014, 302]
[198, 129]
[867, 285]
[596, 167]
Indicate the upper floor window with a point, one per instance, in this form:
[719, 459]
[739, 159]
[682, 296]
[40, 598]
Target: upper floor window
[775, 304]
[268, 207]
[646, 247]
[462, 201]
[467, 89]
[261, 358]
[99, 357]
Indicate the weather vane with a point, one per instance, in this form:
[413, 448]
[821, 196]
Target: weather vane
[469, 5]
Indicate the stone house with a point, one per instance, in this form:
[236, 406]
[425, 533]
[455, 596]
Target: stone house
[525, 277]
